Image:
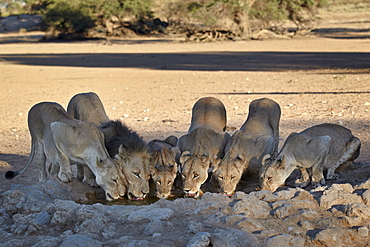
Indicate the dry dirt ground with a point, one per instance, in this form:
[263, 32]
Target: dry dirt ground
[152, 84]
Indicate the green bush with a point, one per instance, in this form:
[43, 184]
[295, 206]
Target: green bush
[69, 17]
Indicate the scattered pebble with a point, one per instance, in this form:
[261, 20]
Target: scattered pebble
[367, 104]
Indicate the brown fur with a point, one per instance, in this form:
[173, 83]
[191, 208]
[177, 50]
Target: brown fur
[258, 136]
[321, 147]
[58, 138]
[202, 148]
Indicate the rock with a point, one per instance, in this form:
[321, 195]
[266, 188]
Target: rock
[149, 213]
[363, 231]
[43, 218]
[78, 240]
[155, 226]
[232, 238]
[336, 237]
[48, 242]
[201, 239]
[366, 197]
[250, 224]
[284, 240]
[194, 227]
[357, 210]
[89, 221]
[364, 185]
[251, 206]
[292, 208]
[306, 225]
[338, 197]
[346, 187]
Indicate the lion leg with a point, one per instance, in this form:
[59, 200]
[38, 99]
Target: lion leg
[317, 176]
[350, 153]
[41, 161]
[54, 170]
[89, 177]
[80, 172]
[65, 171]
[304, 179]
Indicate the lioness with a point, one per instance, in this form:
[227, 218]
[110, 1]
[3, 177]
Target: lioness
[202, 148]
[87, 107]
[258, 136]
[58, 138]
[320, 147]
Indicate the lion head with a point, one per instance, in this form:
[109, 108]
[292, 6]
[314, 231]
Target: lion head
[135, 168]
[110, 179]
[163, 170]
[242, 152]
[194, 172]
[272, 174]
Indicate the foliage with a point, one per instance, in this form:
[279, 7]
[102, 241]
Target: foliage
[69, 16]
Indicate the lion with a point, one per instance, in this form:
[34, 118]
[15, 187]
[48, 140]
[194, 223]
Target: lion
[318, 148]
[133, 155]
[123, 144]
[59, 139]
[202, 147]
[258, 136]
[87, 107]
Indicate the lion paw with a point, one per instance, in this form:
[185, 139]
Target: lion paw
[91, 182]
[65, 177]
[332, 177]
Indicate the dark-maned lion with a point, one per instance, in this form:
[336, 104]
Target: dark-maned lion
[202, 147]
[58, 138]
[121, 142]
[133, 154]
[258, 136]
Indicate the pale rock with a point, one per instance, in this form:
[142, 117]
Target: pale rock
[292, 207]
[363, 185]
[155, 226]
[363, 231]
[357, 210]
[366, 197]
[148, 213]
[338, 197]
[306, 225]
[338, 237]
[194, 227]
[230, 237]
[346, 187]
[284, 240]
[250, 224]
[251, 206]
[201, 239]
[231, 220]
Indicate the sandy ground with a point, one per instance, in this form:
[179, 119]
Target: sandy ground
[152, 84]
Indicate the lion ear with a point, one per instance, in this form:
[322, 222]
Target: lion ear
[184, 157]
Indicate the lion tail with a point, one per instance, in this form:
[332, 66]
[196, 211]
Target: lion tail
[12, 174]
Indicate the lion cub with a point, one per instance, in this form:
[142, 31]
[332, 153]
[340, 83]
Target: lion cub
[162, 166]
[321, 147]
[258, 136]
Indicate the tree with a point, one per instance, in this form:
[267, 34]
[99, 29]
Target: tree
[67, 17]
